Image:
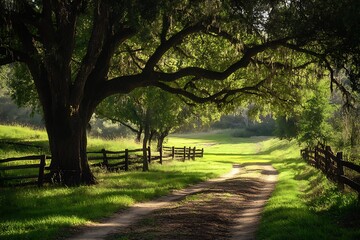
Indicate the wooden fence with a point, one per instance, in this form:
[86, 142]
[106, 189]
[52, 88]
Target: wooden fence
[123, 160]
[333, 166]
[34, 178]
[110, 160]
[182, 152]
[120, 160]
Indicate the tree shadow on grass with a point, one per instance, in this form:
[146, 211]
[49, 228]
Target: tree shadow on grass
[276, 147]
[324, 213]
[45, 213]
[297, 223]
[19, 145]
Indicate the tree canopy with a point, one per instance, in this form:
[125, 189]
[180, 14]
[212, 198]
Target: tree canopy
[80, 52]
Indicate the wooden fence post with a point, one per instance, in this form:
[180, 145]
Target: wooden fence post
[160, 153]
[339, 170]
[173, 152]
[41, 170]
[194, 153]
[202, 152]
[304, 154]
[126, 159]
[317, 165]
[184, 153]
[327, 159]
[189, 153]
[105, 160]
[307, 155]
[149, 154]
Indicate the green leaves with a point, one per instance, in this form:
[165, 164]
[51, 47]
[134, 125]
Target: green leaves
[162, 112]
[310, 123]
[22, 89]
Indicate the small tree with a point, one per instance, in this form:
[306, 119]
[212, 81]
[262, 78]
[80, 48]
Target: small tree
[314, 123]
[314, 120]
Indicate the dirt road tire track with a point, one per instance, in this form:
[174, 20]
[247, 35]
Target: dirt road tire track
[228, 207]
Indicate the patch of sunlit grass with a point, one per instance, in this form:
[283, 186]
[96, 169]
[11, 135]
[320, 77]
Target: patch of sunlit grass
[304, 205]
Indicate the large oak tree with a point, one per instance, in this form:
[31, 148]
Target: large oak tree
[80, 52]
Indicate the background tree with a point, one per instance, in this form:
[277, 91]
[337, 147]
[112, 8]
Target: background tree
[314, 125]
[10, 112]
[310, 122]
[152, 113]
[148, 111]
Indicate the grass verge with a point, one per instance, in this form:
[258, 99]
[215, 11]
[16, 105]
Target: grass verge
[305, 205]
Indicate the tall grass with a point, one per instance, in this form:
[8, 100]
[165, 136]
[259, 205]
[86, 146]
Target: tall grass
[303, 206]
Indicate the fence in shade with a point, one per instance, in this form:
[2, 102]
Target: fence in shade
[333, 166]
[31, 169]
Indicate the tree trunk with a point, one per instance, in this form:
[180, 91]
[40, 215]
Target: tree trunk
[68, 142]
[151, 136]
[145, 141]
[138, 135]
[161, 138]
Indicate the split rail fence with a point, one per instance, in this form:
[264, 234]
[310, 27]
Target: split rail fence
[26, 162]
[110, 160]
[333, 166]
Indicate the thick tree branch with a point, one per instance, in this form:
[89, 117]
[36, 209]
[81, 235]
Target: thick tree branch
[10, 56]
[119, 121]
[165, 28]
[219, 97]
[95, 44]
[66, 19]
[214, 75]
[45, 26]
[96, 87]
[171, 42]
[112, 41]
[125, 84]
[130, 127]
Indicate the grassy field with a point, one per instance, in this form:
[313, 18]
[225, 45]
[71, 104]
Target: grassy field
[303, 206]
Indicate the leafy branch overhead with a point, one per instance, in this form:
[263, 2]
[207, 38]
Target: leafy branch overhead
[174, 44]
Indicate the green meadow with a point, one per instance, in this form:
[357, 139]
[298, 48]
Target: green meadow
[304, 204]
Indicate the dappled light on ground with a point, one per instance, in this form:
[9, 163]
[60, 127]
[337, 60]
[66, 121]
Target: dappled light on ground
[222, 208]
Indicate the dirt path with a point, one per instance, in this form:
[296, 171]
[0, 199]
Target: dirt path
[228, 207]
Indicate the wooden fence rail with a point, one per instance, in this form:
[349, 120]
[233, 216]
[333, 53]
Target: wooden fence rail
[110, 160]
[40, 166]
[118, 160]
[333, 166]
[122, 160]
[182, 152]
